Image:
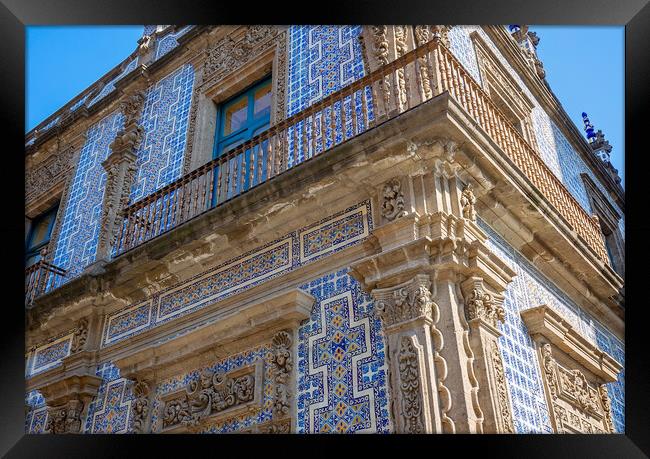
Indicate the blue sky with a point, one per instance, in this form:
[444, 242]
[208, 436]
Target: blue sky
[584, 67]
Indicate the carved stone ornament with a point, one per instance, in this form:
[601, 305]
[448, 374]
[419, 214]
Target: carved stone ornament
[578, 406]
[140, 406]
[65, 419]
[47, 174]
[131, 107]
[144, 44]
[467, 202]
[80, 336]
[502, 390]
[392, 206]
[441, 32]
[212, 393]
[381, 54]
[282, 366]
[423, 36]
[409, 375]
[481, 305]
[405, 303]
[401, 48]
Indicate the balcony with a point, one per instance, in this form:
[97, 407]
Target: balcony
[41, 277]
[363, 105]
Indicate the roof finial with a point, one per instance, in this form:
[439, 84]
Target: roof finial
[589, 128]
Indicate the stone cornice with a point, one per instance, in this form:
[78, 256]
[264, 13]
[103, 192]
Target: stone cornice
[553, 107]
[151, 355]
[544, 321]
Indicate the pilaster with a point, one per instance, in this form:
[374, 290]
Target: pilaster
[120, 169]
[439, 292]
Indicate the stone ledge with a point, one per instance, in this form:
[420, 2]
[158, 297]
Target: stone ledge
[544, 321]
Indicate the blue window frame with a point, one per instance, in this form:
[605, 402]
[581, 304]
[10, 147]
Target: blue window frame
[243, 117]
[39, 235]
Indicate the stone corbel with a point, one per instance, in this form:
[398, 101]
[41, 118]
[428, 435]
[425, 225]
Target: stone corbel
[68, 390]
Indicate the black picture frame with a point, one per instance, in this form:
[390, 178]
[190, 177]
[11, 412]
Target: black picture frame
[634, 14]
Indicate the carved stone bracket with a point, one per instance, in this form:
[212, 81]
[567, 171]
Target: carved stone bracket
[80, 336]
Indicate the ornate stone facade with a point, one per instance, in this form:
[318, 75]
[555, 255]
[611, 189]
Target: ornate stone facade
[390, 279]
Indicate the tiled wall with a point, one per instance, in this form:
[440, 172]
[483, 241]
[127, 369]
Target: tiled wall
[322, 60]
[76, 246]
[164, 118]
[276, 258]
[110, 411]
[341, 363]
[529, 289]
[159, 162]
[554, 148]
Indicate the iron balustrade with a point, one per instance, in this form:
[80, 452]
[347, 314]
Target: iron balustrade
[364, 104]
[42, 277]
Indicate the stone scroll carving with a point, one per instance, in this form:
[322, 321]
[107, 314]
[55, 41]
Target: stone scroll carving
[577, 404]
[409, 374]
[65, 419]
[79, 336]
[282, 366]
[392, 206]
[140, 406]
[405, 305]
[211, 394]
[502, 390]
[482, 305]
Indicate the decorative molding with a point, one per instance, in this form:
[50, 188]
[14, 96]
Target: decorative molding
[542, 321]
[48, 174]
[467, 202]
[411, 397]
[282, 366]
[502, 390]
[213, 393]
[140, 406]
[392, 206]
[408, 301]
[577, 404]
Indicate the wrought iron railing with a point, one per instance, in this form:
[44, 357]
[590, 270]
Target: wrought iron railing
[42, 277]
[377, 97]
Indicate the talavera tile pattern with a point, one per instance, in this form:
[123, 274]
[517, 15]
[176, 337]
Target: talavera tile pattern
[110, 411]
[278, 257]
[529, 289]
[341, 361]
[76, 246]
[164, 118]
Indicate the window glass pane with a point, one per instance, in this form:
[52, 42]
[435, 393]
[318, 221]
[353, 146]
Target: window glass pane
[32, 259]
[40, 232]
[262, 105]
[236, 116]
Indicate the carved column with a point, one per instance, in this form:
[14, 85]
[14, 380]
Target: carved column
[120, 169]
[484, 310]
[445, 370]
[409, 315]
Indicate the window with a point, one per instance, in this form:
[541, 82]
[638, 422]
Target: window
[243, 117]
[39, 235]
